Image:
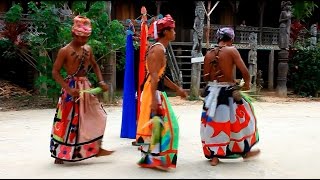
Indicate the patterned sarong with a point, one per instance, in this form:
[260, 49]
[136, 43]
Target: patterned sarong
[78, 126]
[157, 134]
[228, 128]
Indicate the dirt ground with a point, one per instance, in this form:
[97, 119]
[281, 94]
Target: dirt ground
[16, 98]
[288, 128]
[288, 132]
[25, 102]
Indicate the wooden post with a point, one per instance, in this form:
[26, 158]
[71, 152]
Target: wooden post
[282, 73]
[261, 5]
[208, 26]
[284, 44]
[271, 70]
[108, 8]
[196, 52]
[208, 13]
[158, 4]
[109, 75]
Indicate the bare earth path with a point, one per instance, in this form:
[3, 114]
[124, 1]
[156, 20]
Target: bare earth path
[289, 141]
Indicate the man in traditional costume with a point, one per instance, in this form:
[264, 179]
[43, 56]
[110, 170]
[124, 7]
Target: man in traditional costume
[228, 124]
[158, 130]
[80, 120]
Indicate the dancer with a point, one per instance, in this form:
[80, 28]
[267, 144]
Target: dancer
[228, 124]
[158, 130]
[79, 122]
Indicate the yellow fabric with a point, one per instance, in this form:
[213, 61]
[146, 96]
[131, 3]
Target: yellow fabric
[144, 130]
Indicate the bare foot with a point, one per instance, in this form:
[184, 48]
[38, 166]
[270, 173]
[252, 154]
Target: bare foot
[214, 161]
[104, 152]
[58, 161]
[251, 154]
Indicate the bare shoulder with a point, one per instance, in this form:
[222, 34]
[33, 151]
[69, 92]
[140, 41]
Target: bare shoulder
[232, 50]
[210, 53]
[63, 50]
[157, 49]
[87, 47]
[62, 55]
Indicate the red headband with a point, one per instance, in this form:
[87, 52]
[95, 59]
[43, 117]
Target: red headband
[165, 22]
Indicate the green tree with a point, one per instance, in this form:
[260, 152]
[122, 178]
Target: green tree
[53, 31]
[303, 9]
[107, 36]
[305, 71]
[304, 64]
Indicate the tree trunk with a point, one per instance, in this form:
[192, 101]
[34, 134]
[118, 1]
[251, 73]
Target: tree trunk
[108, 71]
[208, 26]
[261, 5]
[195, 80]
[108, 8]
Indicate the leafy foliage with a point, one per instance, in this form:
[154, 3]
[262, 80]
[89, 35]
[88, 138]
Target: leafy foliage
[296, 31]
[304, 61]
[44, 44]
[107, 36]
[53, 31]
[305, 71]
[14, 14]
[12, 42]
[303, 9]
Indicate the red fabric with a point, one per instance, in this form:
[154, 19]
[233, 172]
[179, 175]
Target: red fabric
[150, 31]
[143, 49]
[167, 21]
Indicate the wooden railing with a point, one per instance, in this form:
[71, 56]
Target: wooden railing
[265, 35]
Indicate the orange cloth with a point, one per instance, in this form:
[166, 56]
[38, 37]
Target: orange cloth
[145, 100]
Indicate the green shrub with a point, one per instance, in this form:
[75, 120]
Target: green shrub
[54, 31]
[305, 71]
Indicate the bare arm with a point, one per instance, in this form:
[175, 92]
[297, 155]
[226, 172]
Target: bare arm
[170, 84]
[62, 53]
[155, 62]
[180, 91]
[59, 62]
[96, 70]
[207, 66]
[242, 67]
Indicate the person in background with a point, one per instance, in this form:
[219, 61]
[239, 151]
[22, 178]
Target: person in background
[243, 23]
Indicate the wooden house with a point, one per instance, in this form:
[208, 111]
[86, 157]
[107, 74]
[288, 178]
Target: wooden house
[261, 17]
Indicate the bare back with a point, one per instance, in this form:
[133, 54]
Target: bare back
[228, 57]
